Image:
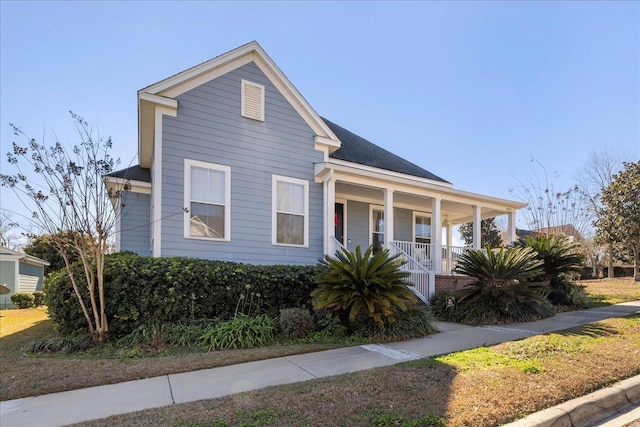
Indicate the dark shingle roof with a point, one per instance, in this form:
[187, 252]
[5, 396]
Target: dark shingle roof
[354, 149]
[134, 173]
[358, 150]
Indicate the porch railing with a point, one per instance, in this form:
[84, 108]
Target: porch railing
[422, 278]
[423, 254]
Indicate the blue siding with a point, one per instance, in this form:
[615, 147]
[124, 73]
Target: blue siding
[403, 224]
[135, 227]
[35, 272]
[7, 277]
[209, 128]
[357, 225]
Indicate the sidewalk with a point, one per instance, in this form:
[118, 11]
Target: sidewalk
[74, 406]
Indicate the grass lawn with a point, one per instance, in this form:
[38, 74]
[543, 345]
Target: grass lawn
[504, 381]
[487, 386]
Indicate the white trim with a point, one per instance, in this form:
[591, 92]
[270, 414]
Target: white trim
[118, 211]
[156, 179]
[134, 185]
[161, 101]
[274, 205]
[349, 172]
[190, 163]
[244, 86]
[388, 173]
[372, 208]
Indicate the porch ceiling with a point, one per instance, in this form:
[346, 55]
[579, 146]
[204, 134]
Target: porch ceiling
[452, 212]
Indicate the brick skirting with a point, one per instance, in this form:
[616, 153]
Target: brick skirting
[452, 281]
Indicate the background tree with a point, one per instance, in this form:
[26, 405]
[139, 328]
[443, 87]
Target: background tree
[619, 218]
[596, 174]
[489, 233]
[9, 237]
[44, 247]
[550, 209]
[70, 202]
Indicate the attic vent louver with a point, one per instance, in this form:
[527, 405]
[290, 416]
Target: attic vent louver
[252, 101]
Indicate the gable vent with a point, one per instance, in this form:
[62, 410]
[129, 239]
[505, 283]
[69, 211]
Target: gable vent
[252, 101]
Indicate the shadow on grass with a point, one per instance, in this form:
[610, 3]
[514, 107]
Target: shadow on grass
[593, 330]
[16, 342]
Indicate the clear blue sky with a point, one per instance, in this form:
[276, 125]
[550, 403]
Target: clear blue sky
[471, 91]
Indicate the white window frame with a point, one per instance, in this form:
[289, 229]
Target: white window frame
[188, 164]
[413, 226]
[274, 209]
[371, 226]
[243, 113]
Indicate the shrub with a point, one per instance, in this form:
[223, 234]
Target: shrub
[240, 332]
[295, 322]
[357, 284]
[331, 325]
[414, 322]
[38, 299]
[23, 300]
[501, 292]
[142, 290]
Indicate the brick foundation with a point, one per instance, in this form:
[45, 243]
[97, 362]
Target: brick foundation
[452, 281]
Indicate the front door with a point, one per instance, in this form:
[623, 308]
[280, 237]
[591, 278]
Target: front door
[338, 222]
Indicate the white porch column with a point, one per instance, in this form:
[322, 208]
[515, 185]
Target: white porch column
[388, 217]
[449, 244]
[329, 187]
[477, 227]
[436, 233]
[511, 228]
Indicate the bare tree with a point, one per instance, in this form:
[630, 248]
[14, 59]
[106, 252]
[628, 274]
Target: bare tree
[550, 210]
[9, 237]
[594, 176]
[69, 201]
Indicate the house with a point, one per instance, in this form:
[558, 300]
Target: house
[234, 164]
[20, 273]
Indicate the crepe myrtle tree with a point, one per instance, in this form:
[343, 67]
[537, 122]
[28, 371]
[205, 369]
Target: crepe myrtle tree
[64, 191]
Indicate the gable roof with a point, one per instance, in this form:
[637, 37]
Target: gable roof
[163, 95]
[356, 149]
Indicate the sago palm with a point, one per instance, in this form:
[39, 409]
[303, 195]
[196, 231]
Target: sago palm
[362, 284]
[560, 259]
[499, 266]
[501, 291]
[558, 253]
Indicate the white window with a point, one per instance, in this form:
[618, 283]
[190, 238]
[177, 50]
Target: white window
[376, 227]
[207, 197]
[252, 101]
[290, 204]
[422, 228]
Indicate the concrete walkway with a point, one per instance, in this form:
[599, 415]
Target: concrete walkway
[74, 406]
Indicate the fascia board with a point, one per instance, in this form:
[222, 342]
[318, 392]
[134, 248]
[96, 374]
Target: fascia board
[419, 185]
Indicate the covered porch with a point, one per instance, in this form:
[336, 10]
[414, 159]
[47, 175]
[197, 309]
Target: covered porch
[410, 216]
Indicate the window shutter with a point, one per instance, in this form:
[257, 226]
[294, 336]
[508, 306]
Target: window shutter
[252, 101]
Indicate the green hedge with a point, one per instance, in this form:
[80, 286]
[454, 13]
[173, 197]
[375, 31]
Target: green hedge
[140, 290]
